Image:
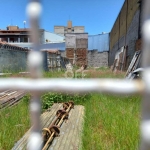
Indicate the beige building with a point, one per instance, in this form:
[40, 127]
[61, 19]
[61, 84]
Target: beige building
[62, 30]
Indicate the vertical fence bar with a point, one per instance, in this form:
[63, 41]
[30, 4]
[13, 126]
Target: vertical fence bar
[145, 123]
[35, 67]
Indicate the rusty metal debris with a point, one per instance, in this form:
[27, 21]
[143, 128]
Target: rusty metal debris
[53, 130]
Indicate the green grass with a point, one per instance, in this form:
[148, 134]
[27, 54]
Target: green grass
[111, 123]
[14, 122]
[54, 74]
[103, 73]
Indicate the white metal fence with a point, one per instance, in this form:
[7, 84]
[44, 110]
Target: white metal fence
[36, 84]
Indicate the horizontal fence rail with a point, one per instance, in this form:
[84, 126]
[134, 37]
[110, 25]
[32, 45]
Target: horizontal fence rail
[115, 86]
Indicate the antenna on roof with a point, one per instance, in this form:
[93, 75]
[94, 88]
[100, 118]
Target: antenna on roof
[24, 22]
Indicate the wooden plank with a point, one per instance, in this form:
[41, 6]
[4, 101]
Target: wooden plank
[133, 62]
[46, 119]
[70, 131]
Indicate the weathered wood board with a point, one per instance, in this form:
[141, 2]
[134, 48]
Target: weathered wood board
[70, 131]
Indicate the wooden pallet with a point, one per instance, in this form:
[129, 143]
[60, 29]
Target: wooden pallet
[70, 131]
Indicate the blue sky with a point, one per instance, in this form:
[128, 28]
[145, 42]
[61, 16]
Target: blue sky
[96, 15]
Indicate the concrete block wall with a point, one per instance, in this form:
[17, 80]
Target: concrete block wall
[97, 59]
[123, 21]
[63, 53]
[131, 37]
[13, 60]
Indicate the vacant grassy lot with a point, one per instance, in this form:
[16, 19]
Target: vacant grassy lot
[14, 122]
[111, 122]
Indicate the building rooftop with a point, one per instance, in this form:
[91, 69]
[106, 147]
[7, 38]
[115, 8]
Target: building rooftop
[22, 29]
[12, 46]
[52, 51]
[13, 29]
[54, 46]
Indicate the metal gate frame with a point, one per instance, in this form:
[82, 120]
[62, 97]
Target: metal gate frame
[36, 84]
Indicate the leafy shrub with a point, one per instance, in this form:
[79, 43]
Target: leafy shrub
[26, 98]
[49, 98]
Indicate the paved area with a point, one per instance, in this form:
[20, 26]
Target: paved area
[70, 131]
